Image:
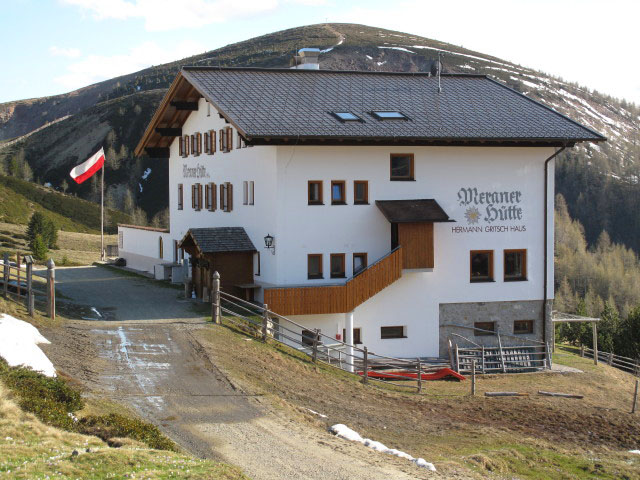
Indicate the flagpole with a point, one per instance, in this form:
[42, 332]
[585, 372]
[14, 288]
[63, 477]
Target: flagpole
[102, 215]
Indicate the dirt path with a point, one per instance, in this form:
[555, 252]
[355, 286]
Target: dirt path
[161, 371]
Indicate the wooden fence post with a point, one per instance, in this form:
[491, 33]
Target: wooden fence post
[582, 350]
[473, 378]
[549, 357]
[504, 366]
[51, 289]
[635, 399]
[483, 365]
[30, 302]
[314, 352]
[18, 273]
[457, 358]
[6, 274]
[610, 358]
[419, 375]
[215, 299]
[365, 361]
[594, 328]
[265, 322]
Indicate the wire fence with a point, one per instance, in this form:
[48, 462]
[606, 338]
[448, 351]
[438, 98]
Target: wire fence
[260, 322]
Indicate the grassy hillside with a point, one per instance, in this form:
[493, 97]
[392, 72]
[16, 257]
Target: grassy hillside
[531, 437]
[113, 113]
[21, 198]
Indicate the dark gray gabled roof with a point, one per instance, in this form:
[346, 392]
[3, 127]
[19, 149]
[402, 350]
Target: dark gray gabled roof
[278, 105]
[405, 211]
[221, 239]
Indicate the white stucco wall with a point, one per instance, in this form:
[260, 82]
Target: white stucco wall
[141, 248]
[440, 173]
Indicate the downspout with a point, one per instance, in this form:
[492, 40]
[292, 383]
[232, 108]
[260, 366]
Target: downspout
[546, 247]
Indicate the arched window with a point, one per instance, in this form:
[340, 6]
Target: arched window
[160, 248]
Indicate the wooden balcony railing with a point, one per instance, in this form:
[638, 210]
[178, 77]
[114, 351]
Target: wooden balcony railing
[342, 298]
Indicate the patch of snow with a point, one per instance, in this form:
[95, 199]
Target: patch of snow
[19, 345]
[467, 66]
[326, 50]
[463, 55]
[316, 413]
[381, 63]
[48, 184]
[369, 57]
[399, 48]
[140, 185]
[146, 174]
[345, 432]
[637, 452]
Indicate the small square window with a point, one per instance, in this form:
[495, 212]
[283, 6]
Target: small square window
[346, 117]
[338, 192]
[389, 115]
[484, 328]
[315, 192]
[308, 337]
[337, 265]
[522, 326]
[481, 265]
[357, 336]
[402, 166]
[359, 262]
[392, 332]
[515, 265]
[314, 266]
[360, 192]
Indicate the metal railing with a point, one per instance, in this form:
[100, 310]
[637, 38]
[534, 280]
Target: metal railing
[259, 321]
[18, 282]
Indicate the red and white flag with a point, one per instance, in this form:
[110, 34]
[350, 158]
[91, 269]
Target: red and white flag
[85, 170]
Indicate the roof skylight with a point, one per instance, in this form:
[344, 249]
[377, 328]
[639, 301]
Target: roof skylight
[389, 115]
[346, 117]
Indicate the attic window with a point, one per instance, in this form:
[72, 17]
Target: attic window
[346, 117]
[389, 115]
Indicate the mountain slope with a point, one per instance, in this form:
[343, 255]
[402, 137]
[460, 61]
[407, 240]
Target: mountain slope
[587, 176]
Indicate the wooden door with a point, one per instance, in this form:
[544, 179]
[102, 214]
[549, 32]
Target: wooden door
[416, 240]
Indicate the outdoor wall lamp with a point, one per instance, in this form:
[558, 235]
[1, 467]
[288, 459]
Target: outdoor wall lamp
[268, 243]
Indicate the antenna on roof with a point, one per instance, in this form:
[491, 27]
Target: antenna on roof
[439, 70]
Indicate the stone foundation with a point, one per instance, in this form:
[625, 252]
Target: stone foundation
[502, 313]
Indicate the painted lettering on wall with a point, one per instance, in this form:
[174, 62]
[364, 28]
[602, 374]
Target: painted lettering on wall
[490, 207]
[199, 171]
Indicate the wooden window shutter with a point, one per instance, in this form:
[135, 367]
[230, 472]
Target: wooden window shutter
[213, 197]
[229, 139]
[180, 147]
[222, 196]
[221, 139]
[193, 196]
[180, 196]
[229, 197]
[199, 196]
[206, 196]
[199, 142]
[186, 145]
[212, 138]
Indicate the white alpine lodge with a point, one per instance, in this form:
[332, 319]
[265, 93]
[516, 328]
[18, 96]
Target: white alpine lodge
[376, 207]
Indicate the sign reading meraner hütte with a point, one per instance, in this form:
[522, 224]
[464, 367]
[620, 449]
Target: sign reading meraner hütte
[490, 207]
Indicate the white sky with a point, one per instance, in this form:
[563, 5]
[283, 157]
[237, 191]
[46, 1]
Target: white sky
[71, 43]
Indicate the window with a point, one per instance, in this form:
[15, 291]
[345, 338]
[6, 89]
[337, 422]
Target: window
[484, 328]
[223, 140]
[481, 265]
[360, 192]
[181, 147]
[175, 251]
[180, 196]
[315, 192]
[210, 197]
[389, 115]
[206, 142]
[337, 265]
[346, 117]
[392, 332]
[198, 149]
[241, 142]
[245, 193]
[229, 132]
[359, 262]
[252, 192]
[515, 265]
[226, 197]
[308, 337]
[120, 240]
[160, 248]
[193, 145]
[338, 192]
[314, 266]
[196, 196]
[402, 166]
[522, 326]
[357, 337]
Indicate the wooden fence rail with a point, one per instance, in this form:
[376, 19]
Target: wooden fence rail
[631, 365]
[18, 282]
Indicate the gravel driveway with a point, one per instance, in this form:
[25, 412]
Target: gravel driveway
[149, 359]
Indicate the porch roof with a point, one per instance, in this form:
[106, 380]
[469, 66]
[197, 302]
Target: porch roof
[410, 211]
[219, 240]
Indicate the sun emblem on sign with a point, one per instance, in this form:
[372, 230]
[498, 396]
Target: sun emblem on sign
[472, 215]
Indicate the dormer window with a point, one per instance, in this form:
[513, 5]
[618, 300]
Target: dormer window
[389, 115]
[346, 117]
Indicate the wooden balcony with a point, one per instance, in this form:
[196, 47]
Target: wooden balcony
[337, 298]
